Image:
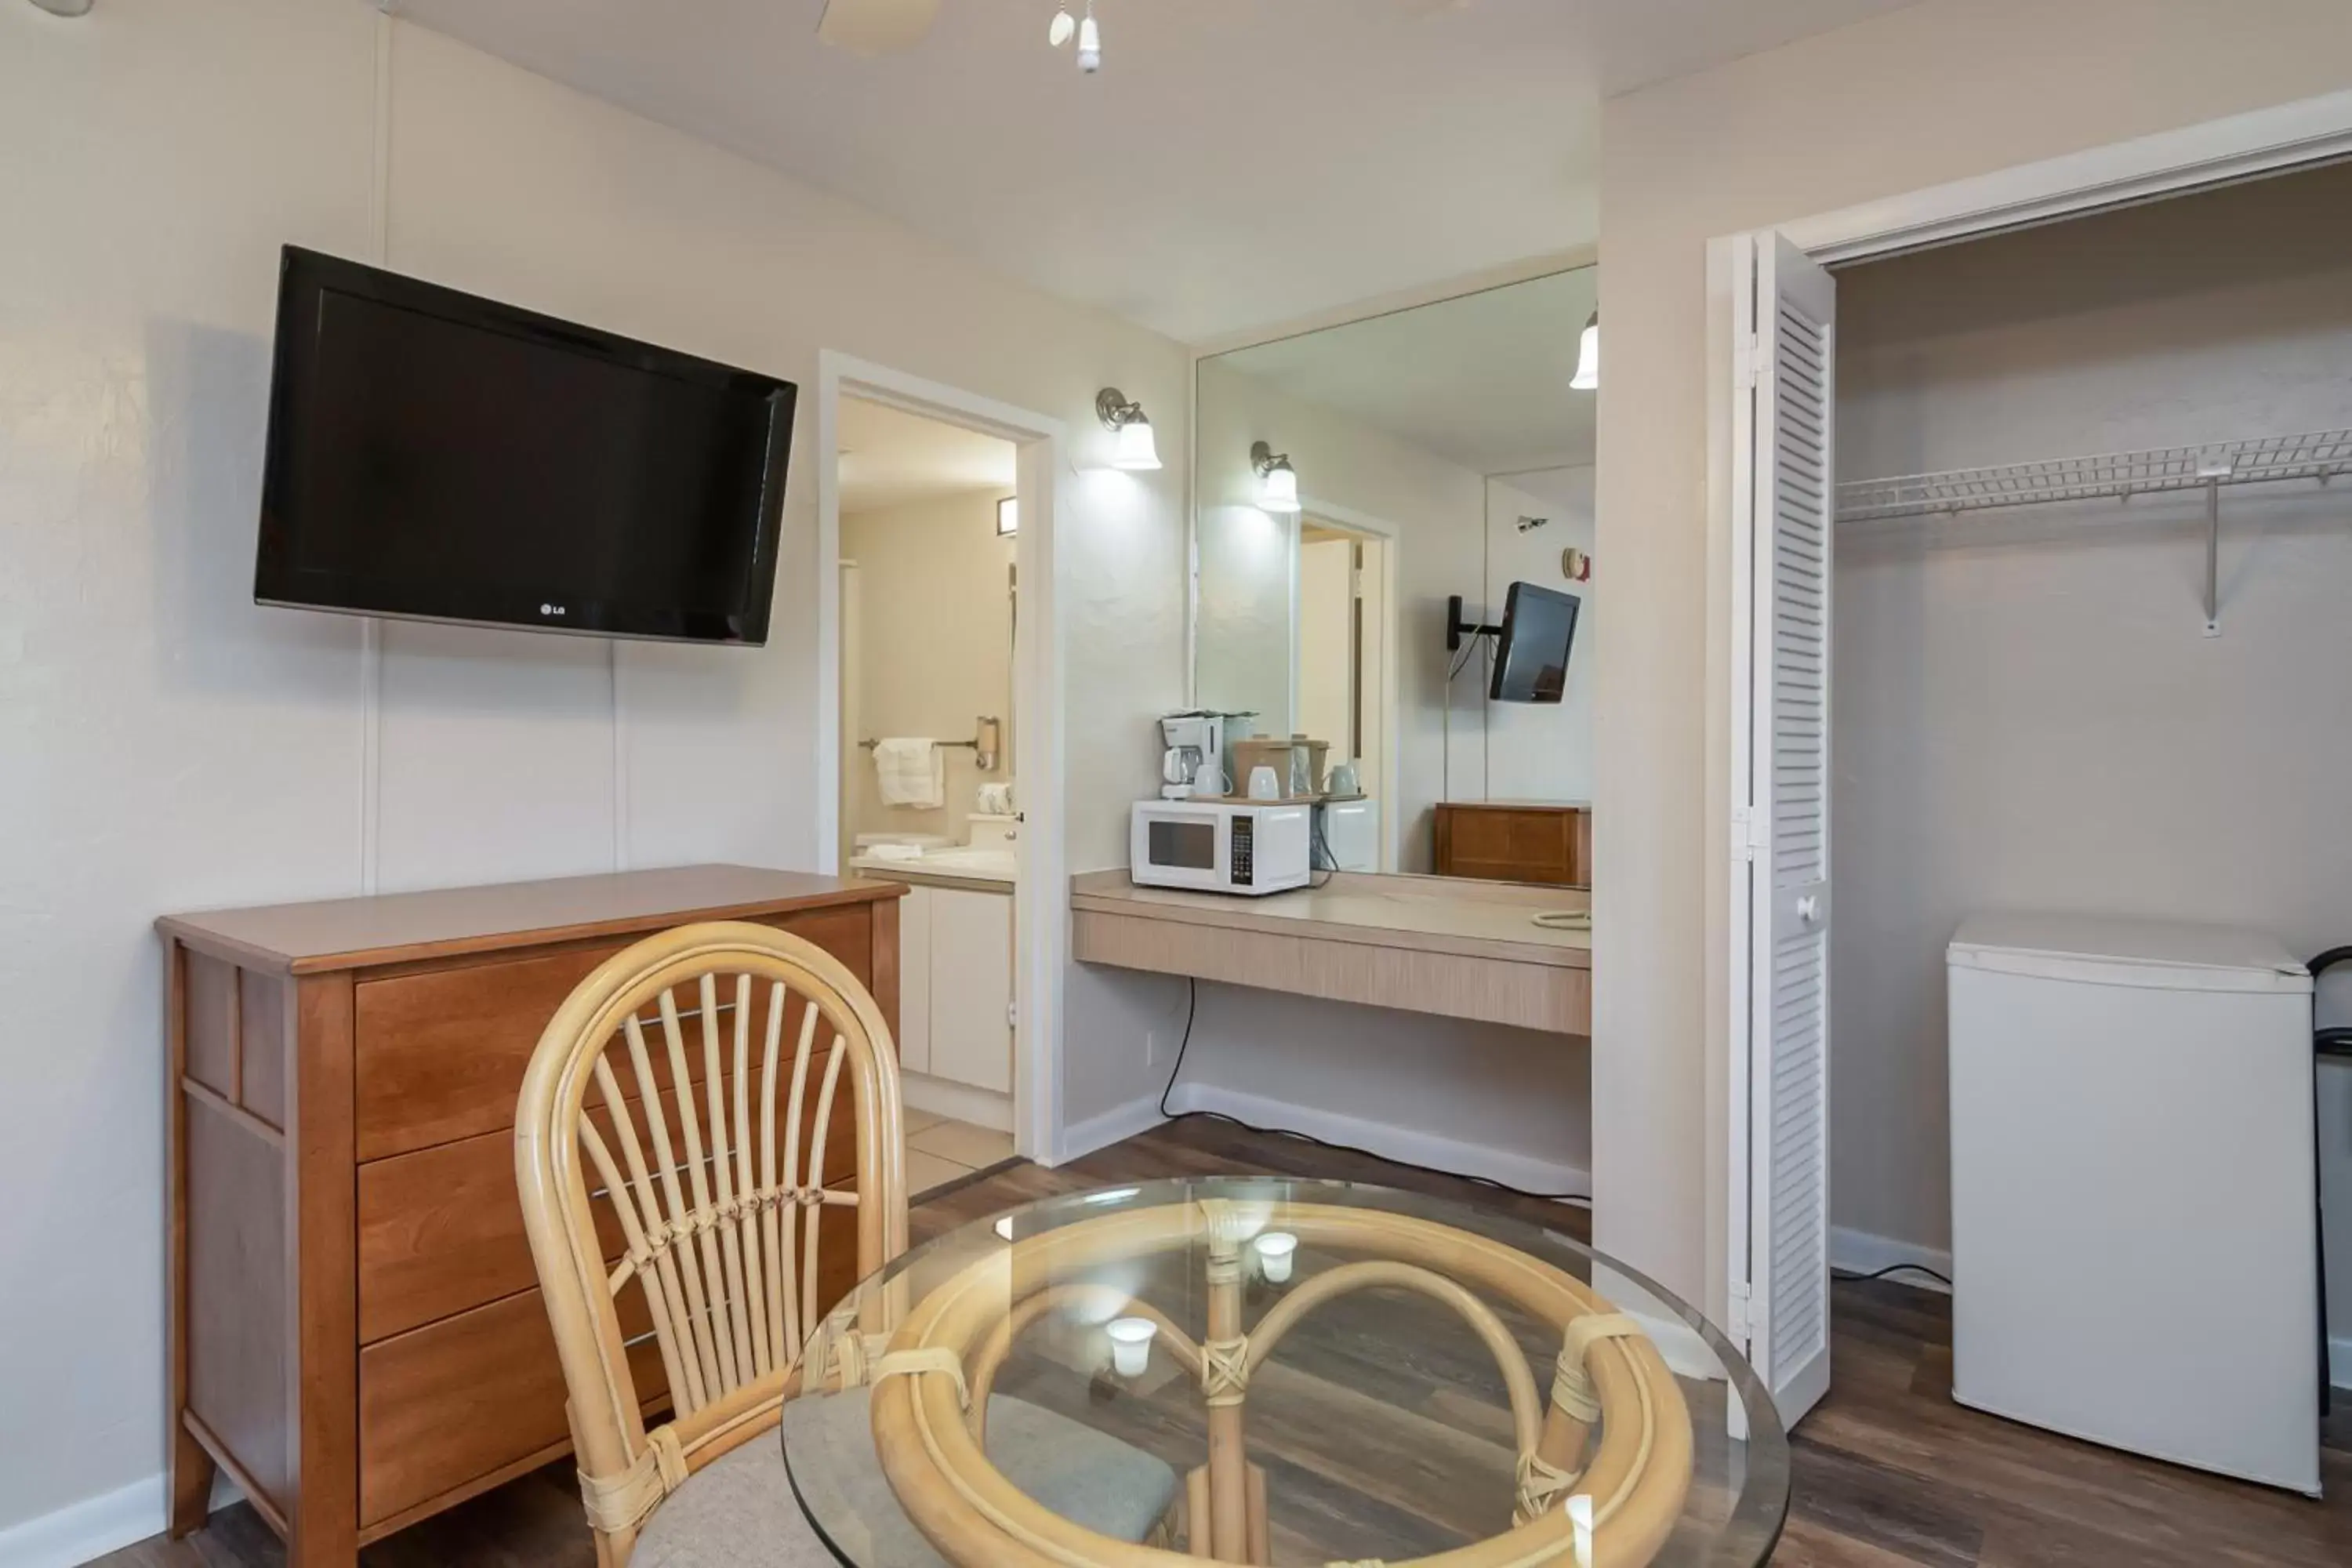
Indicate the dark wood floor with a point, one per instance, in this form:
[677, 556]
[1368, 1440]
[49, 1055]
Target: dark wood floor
[1888, 1470]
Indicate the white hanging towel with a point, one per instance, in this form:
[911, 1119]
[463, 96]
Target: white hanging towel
[912, 773]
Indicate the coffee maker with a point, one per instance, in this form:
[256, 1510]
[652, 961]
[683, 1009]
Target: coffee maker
[1194, 760]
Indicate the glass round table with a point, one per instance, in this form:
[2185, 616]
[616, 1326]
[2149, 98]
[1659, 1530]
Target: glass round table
[1274, 1370]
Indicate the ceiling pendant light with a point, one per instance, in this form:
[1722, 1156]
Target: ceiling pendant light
[1089, 42]
[1063, 24]
[1278, 482]
[1588, 357]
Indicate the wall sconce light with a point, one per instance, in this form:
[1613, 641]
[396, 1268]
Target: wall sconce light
[1278, 482]
[1135, 449]
[1588, 357]
[1130, 1345]
[1008, 517]
[64, 8]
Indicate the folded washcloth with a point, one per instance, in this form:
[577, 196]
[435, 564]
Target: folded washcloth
[912, 773]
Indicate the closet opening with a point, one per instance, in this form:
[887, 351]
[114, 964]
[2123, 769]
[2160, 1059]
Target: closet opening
[2052, 535]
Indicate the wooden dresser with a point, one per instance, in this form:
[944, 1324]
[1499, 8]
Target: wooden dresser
[356, 1335]
[1515, 841]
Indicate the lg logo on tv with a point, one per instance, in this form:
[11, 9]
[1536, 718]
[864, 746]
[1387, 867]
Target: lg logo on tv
[551, 609]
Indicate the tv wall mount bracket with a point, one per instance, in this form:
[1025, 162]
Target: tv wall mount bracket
[1456, 628]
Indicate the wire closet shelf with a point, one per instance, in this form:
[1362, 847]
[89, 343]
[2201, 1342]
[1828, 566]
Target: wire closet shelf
[2321, 454]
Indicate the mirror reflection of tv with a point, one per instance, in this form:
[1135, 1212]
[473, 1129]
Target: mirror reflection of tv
[1531, 654]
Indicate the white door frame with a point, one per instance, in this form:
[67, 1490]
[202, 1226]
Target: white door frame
[1041, 921]
[1391, 543]
[2147, 168]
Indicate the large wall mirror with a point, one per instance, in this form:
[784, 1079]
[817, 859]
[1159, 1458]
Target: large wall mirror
[1349, 483]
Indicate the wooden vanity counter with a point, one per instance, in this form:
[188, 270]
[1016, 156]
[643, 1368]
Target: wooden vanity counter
[1422, 944]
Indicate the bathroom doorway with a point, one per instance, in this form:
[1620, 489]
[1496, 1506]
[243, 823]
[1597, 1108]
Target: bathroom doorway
[1339, 662]
[933, 738]
[929, 520]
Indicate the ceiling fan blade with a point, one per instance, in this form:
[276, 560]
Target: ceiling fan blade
[877, 27]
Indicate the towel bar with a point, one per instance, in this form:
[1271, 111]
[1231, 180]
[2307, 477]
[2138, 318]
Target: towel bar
[985, 745]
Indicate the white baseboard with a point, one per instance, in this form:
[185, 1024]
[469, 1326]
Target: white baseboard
[95, 1526]
[1120, 1121]
[1859, 1252]
[1528, 1173]
[981, 1107]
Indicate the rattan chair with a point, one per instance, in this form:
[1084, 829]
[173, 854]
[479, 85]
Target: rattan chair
[712, 1203]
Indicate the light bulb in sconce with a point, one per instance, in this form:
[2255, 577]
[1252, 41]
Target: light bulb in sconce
[1133, 447]
[1277, 485]
[1588, 357]
[1062, 26]
[1130, 1345]
[1090, 45]
[1276, 1249]
[1003, 1228]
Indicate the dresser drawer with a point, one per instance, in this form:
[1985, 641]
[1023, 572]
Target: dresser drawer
[469, 1396]
[458, 1399]
[441, 1055]
[440, 1229]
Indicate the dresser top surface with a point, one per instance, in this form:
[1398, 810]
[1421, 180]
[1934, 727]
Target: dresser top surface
[393, 928]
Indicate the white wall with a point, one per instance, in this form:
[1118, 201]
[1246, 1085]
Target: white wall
[934, 650]
[1541, 751]
[1510, 1104]
[2027, 713]
[172, 746]
[1814, 127]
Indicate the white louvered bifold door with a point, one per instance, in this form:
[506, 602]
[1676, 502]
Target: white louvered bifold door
[1783, 317]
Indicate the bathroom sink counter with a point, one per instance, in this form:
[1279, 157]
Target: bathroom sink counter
[977, 870]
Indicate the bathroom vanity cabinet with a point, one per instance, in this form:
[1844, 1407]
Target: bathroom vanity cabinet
[956, 995]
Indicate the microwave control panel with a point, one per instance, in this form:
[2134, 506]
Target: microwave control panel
[1242, 838]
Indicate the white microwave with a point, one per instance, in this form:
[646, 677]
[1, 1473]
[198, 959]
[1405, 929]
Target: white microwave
[1219, 847]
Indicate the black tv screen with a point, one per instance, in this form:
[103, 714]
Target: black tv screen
[436, 455]
[1531, 654]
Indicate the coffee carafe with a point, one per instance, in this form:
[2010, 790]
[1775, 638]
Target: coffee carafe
[1194, 761]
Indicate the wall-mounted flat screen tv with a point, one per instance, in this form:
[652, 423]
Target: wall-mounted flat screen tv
[443, 457]
[1531, 653]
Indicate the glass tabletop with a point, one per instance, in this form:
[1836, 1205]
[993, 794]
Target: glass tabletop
[1276, 1370]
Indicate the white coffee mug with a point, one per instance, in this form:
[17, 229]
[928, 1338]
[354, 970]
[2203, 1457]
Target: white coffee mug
[1263, 784]
[1342, 780]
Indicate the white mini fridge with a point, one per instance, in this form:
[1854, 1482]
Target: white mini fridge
[2134, 1226]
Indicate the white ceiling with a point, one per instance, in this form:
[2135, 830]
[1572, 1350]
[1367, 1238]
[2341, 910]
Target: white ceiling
[890, 459]
[1481, 381]
[1236, 163]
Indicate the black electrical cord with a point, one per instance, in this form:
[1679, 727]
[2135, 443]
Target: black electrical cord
[1844, 1276]
[1191, 1011]
[1317, 846]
